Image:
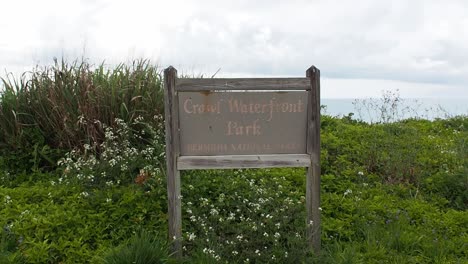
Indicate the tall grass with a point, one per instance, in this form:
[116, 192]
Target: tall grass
[142, 248]
[68, 104]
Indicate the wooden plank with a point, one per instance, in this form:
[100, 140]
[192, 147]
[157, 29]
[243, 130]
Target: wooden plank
[192, 84]
[218, 123]
[243, 161]
[172, 152]
[313, 172]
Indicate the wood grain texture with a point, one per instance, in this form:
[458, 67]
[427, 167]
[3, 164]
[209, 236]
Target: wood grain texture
[313, 172]
[242, 161]
[188, 84]
[172, 152]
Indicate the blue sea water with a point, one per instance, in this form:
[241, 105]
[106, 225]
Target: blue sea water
[374, 109]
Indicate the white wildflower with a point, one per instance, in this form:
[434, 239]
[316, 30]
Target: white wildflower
[348, 191]
[191, 236]
[214, 212]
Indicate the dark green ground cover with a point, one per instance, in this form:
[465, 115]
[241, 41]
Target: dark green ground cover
[82, 180]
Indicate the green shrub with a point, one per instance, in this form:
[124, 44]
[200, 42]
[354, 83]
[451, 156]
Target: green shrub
[9, 246]
[451, 186]
[124, 156]
[34, 155]
[67, 105]
[143, 248]
[391, 191]
[70, 224]
[257, 216]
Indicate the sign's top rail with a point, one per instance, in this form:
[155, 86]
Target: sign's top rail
[232, 84]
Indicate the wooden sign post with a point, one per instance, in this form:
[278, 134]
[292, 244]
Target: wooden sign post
[242, 123]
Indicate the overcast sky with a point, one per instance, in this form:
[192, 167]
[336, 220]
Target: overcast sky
[361, 47]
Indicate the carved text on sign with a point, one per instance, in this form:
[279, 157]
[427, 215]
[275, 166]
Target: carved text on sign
[242, 123]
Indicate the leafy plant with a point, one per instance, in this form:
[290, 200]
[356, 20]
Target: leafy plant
[392, 191]
[68, 105]
[258, 216]
[125, 155]
[145, 247]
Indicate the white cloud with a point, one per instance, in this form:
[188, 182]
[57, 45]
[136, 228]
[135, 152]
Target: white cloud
[365, 88]
[419, 46]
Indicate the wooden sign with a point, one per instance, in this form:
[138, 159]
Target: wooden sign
[242, 123]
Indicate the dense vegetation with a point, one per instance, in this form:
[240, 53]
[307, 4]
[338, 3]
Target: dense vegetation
[82, 180]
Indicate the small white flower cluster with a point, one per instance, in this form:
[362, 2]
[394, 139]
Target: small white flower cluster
[7, 199]
[191, 236]
[5, 176]
[117, 156]
[347, 192]
[212, 253]
[258, 216]
[25, 212]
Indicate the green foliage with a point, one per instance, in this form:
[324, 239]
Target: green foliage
[392, 191]
[429, 155]
[124, 156]
[67, 105]
[8, 245]
[144, 247]
[34, 155]
[257, 216]
[69, 224]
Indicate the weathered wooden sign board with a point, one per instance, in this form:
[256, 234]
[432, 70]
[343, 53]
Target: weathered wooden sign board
[227, 123]
[242, 123]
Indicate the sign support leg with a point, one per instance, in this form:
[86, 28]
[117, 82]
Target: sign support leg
[313, 172]
[172, 173]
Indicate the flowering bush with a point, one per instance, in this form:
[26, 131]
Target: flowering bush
[129, 151]
[390, 193]
[257, 216]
